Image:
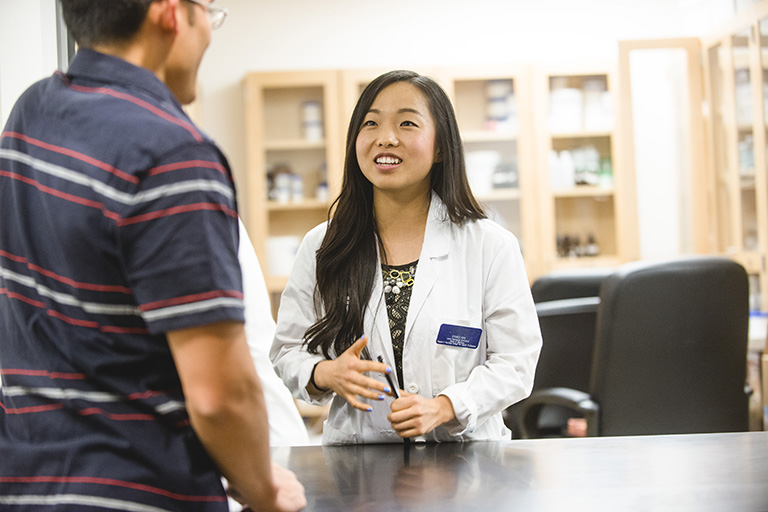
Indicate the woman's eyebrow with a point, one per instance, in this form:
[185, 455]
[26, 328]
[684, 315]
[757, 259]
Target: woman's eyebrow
[405, 110]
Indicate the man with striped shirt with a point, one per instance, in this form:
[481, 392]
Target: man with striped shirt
[126, 378]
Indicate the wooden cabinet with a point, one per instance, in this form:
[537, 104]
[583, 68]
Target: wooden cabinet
[294, 147]
[517, 122]
[585, 199]
[736, 66]
[494, 116]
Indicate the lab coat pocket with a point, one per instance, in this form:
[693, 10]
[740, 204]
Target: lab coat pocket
[332, 435]
[456, 345]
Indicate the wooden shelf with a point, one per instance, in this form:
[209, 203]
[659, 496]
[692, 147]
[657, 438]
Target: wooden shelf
[738, 208]
[583, 191]
[276, 136]
[582, 210]
[580, 135]
[488, 136]
[506, 194]
[532, 211]
[293, 145]
[305, 204]
[588, 261]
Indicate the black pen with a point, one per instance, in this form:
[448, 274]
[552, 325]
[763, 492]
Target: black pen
[395, 391]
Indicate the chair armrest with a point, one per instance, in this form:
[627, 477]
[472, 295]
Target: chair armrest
[572, 399]
[568, 306]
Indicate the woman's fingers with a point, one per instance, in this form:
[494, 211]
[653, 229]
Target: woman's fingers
[346, 375]
[358, 346]
[414, 415]
[365, 387]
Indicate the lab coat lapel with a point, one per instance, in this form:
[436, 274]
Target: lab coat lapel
[436, 243]
[379, 339]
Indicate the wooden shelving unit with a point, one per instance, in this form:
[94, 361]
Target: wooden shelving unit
[494, 115]
[586, 207]
[502, 112]
[291, 125]
[736, 83]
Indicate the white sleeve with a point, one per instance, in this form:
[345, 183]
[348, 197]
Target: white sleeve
[292, 362]
[513, 342]
[286, 427]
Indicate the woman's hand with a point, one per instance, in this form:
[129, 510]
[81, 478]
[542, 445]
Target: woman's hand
[344, 375]
[414, 415]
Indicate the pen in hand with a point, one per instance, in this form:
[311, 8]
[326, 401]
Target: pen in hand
[396, 393]
[391, 382]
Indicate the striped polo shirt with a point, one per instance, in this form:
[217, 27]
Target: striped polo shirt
[118, 223]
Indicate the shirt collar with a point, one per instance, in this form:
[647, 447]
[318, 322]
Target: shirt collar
[109, 70]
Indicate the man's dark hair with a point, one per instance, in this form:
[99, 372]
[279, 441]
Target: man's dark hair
[96, 22]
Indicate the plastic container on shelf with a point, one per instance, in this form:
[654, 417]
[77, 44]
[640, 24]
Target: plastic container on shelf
[480, 168]
[501, 113]
[505, 176]
[743, 93]
[745, 148]
[312, 121]
[597, 112]
[281, 190]
[297, 188]
[566, 107]
[281, 251]
[606, 173]
[321, 192]
[563, 170]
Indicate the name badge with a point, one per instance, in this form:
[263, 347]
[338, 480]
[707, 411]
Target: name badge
[459, 336]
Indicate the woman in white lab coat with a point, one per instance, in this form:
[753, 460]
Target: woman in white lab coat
[411, 271]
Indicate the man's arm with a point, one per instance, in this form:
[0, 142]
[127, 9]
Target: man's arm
[227, 410]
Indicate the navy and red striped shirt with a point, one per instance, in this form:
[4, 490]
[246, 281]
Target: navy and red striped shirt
[118, 223]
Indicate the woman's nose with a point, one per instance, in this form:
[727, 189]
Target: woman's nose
[387, 138]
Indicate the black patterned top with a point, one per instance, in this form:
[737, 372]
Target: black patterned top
[398, 285]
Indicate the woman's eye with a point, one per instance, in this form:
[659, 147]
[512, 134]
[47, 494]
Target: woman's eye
[369, 123]
[408, 123]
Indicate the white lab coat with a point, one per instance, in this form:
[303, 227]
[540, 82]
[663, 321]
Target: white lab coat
[468, 275]
[286, 427]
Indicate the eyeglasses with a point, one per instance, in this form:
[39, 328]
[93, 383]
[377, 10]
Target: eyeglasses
[216, 14]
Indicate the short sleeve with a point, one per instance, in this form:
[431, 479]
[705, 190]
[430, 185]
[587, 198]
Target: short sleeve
[179, 239]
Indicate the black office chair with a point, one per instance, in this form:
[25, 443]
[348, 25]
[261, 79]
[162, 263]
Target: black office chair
[669, 355]
[566, 304]
[572, 283]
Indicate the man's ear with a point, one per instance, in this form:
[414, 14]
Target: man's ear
[163, 13]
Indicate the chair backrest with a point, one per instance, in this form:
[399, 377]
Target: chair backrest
[568, 336]
[569, 283]
[670, 348]
[567, 303]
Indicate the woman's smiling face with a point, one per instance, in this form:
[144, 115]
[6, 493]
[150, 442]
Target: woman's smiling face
[396, 143]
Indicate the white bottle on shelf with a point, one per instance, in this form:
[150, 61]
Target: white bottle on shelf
[312, 121]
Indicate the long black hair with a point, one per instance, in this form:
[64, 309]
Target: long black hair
[347, 258]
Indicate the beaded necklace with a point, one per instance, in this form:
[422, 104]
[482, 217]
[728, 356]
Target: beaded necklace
[398, 285]
[395, 279]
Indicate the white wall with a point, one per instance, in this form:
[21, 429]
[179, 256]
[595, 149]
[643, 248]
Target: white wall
[27, 47]
[335, 34]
